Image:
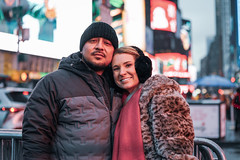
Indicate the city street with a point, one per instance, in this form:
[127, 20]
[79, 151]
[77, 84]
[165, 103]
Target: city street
[195, 43]
[231, 143]
[232, 152]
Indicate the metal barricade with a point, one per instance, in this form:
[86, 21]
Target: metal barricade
[11, 147]
[206, 149]
[11, 144]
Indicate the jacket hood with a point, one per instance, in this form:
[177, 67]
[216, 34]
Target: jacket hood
[74, 63]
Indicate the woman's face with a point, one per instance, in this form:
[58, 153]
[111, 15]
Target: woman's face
[124, 73]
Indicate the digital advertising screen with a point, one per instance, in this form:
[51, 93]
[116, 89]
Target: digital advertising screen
[163, 15]
[174, 64]
[47, 28]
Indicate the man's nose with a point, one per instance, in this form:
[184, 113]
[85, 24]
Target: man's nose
[99, 44]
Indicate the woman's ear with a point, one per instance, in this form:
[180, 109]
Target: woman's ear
[143, 66]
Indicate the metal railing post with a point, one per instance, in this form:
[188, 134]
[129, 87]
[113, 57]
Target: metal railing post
[13, 149]
[206, 147]
[14, 136]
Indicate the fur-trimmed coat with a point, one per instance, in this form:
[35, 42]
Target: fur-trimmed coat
[167, 127]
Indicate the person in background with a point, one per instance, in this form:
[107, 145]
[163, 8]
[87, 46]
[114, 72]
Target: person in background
[69, 114]
[155, 121]
[189, 95]
[236, 105]
[225, 99]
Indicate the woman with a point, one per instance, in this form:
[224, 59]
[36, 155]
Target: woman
[155, 121]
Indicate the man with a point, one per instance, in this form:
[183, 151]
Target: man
[69, 114]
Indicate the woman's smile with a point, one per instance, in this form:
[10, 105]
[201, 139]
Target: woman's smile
[124, 72]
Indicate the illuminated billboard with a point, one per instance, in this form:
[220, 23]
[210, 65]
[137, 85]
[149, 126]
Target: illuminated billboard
[110, 12]
[134, 24]
[47, 28]
[37, 16]
[157, 64]
[185, 36]
[163, 15]
[174, 64]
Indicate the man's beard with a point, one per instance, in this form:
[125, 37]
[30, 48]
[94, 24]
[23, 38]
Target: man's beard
[94, 66]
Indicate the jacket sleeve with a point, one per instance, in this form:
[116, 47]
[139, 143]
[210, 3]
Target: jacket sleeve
[169, 119]
[39, 122]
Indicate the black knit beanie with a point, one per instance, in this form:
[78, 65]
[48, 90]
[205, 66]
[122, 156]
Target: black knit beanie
[99, 29]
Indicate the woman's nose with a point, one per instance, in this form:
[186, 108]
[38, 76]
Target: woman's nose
[122, 71]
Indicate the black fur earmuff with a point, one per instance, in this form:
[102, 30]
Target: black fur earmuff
[143, 66]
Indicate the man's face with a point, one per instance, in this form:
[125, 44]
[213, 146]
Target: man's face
[97, 53]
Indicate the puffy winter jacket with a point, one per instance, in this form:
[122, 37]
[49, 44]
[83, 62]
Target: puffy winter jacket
[69, 116]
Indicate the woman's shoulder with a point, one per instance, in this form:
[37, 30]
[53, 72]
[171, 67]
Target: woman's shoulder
[160, 81]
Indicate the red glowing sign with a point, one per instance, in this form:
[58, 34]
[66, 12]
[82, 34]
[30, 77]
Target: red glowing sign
[174, 64]
[163, 15]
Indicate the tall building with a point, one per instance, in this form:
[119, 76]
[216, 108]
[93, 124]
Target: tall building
[235, 43]
[220, 54]
[226, 32]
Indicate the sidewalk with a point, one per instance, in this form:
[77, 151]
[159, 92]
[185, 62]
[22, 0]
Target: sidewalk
[231, 138]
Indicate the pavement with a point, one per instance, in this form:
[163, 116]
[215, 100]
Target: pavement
[231, 142]
[231, 138]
